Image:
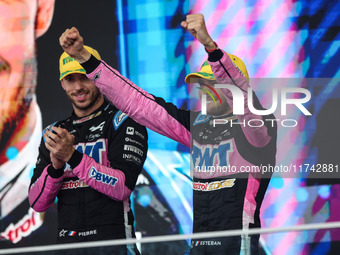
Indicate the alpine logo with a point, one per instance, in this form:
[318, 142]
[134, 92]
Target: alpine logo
[99, 127]
[101, 177]
[97, 76]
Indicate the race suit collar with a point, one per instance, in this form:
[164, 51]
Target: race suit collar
[77, 120]
[223, 116]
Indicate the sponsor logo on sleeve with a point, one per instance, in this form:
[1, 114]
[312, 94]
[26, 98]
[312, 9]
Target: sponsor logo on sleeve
[139, 134]
[127, 139]
[132, 158]
[133, 149]
[130, 130]
[103, 178]
[118, 119]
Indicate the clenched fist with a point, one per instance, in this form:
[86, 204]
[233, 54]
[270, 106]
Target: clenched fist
[73, 44]
[195, 24]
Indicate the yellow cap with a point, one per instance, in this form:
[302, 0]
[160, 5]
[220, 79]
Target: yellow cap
[68, 65]
[207, 73]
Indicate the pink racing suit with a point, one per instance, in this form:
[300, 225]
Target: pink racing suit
[94, 187]
[229, 194]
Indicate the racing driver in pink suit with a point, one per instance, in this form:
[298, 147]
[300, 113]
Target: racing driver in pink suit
[225, 197]
[90, 161]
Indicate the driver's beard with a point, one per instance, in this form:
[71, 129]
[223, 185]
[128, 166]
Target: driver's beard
[96, 96]
[219, 111]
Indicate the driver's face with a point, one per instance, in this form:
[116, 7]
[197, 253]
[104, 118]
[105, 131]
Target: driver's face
[214, 106]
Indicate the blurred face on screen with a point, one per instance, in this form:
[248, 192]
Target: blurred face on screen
[21, 22]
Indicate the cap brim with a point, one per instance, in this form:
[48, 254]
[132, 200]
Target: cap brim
[70, 72]
[192, 78]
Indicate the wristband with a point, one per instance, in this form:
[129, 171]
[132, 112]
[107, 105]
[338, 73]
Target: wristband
[209, 51]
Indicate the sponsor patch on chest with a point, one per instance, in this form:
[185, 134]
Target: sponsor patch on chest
[74, 184]
[216, 185]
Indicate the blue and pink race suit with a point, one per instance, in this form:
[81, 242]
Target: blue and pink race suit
[228, 195]
[94, 187]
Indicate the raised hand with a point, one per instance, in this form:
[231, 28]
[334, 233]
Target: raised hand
[73, 44]
[195, 24]
[59, 143]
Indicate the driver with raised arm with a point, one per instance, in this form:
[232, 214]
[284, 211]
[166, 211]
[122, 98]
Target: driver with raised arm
[225, 197]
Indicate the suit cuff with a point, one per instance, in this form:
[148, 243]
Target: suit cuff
[215, 56]
[75, 159]
[55, 173]
[91, 64]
